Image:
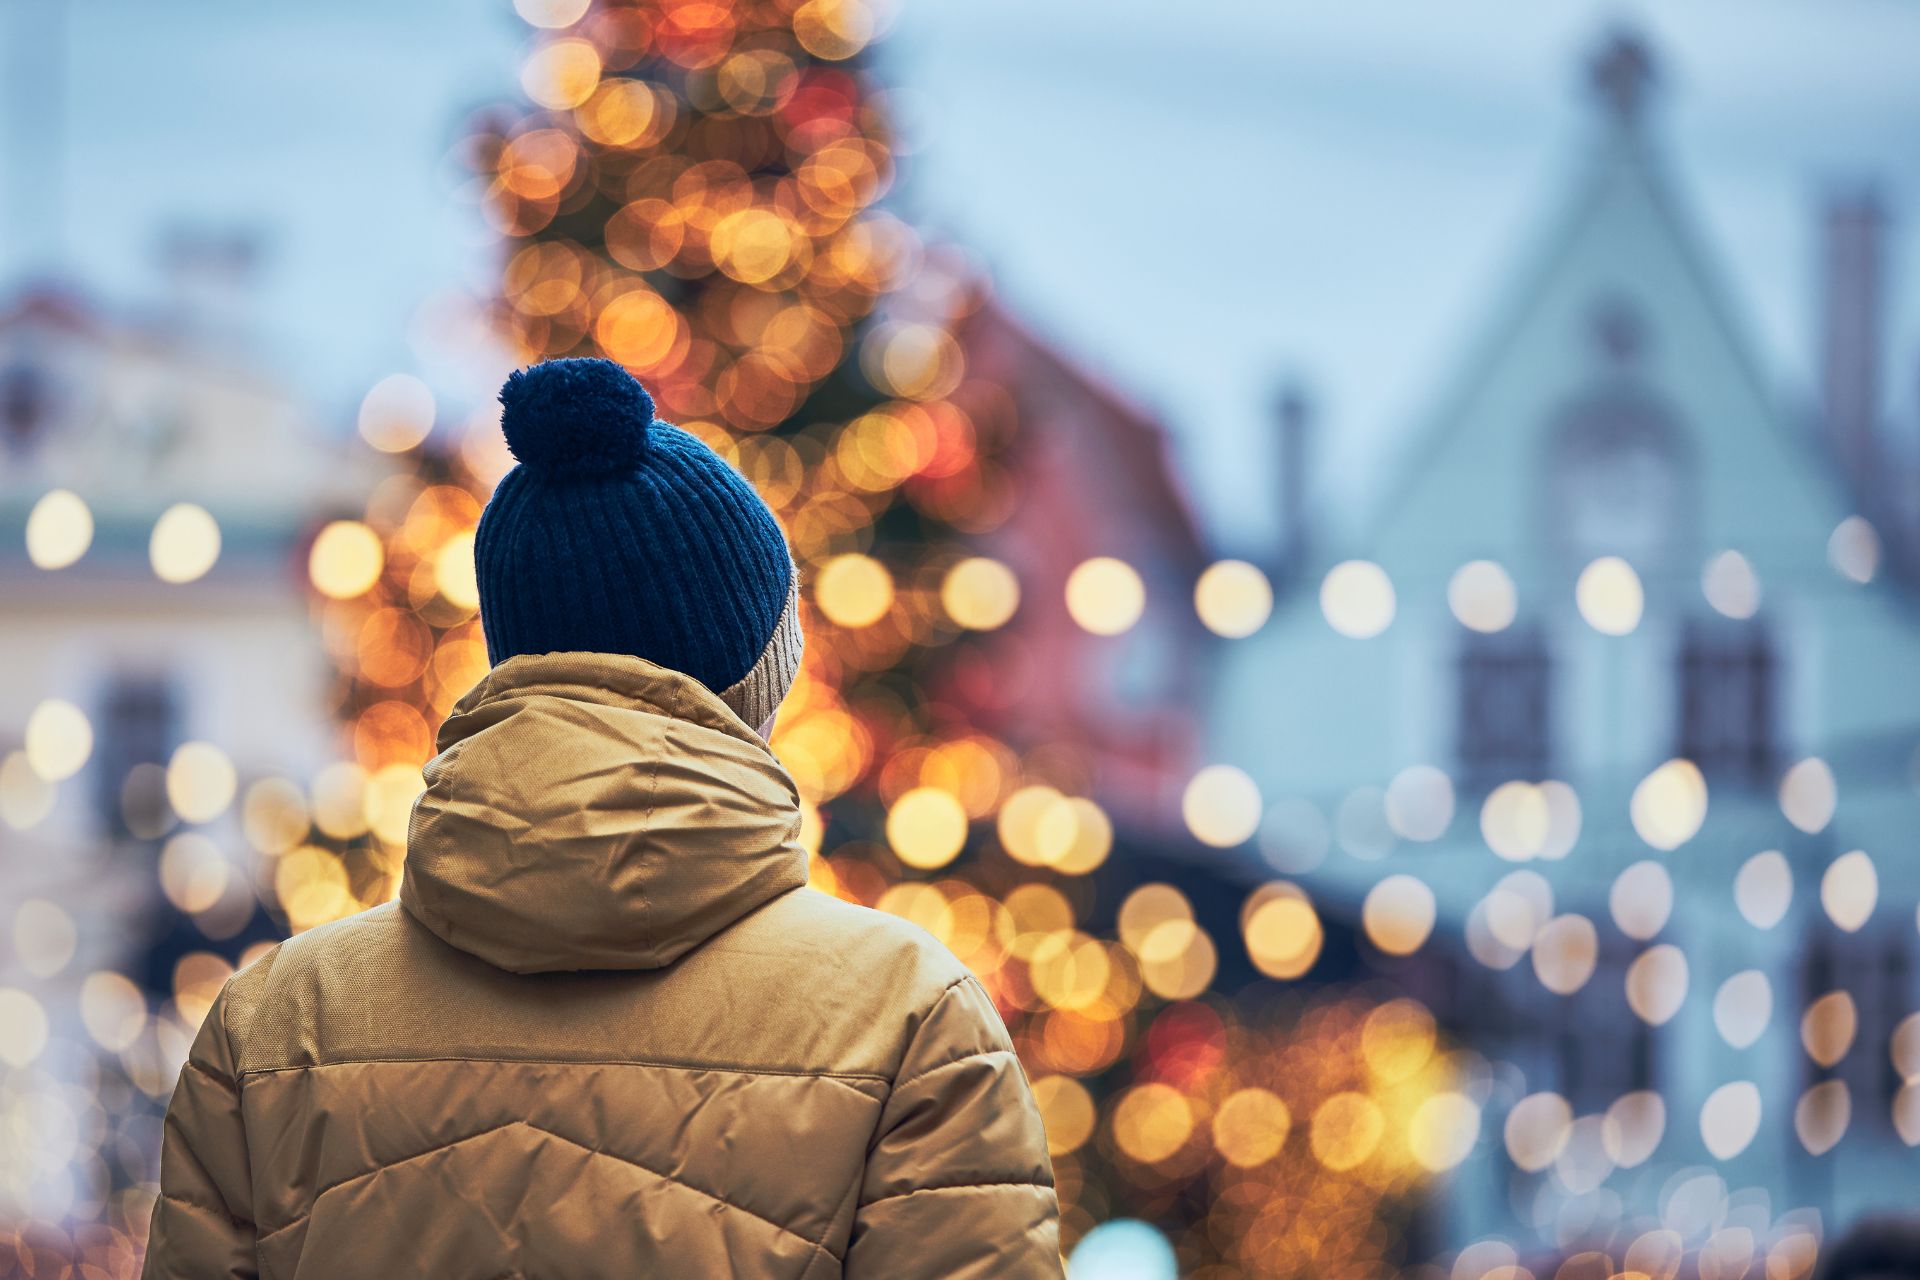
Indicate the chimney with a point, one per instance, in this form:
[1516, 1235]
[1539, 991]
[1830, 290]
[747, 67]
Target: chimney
[1293, 424]
[1853, 307]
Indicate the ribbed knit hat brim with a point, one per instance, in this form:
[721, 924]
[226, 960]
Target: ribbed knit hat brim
[759, 693]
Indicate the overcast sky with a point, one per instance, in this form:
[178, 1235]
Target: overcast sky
[1189, 199]
[1342, 191]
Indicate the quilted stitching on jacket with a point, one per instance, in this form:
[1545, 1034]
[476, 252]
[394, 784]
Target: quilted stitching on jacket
[607, 1034]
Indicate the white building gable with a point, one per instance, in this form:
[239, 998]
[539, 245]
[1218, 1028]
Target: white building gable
[134, 419]
[1612, 409]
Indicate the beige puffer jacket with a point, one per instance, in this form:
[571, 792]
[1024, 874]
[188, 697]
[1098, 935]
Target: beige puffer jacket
[605, 1032]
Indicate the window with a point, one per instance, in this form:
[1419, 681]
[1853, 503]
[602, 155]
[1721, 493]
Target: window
[1601, 1062]
[138, 726]
[1876, 973]
[1727, 701]
[1619, 466]
[1895, 1003]
[26, 407]
[1505, 725]
[1618, 479]
[1606, 1050]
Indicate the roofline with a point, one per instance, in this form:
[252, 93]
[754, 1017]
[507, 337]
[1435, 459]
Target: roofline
[1153, 459]
[1620, 146]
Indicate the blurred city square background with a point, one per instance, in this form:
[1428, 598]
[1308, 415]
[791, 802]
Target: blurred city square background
[1361, 564]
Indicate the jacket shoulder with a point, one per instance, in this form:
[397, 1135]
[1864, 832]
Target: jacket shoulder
[831, 940]
[899, 997]
[269, 1001]
[810, 984]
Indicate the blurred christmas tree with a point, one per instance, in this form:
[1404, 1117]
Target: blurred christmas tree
[694, 194]
[693, 190]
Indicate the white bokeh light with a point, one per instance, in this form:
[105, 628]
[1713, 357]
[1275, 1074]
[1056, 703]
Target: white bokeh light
[1357, 598]
[1482, 596]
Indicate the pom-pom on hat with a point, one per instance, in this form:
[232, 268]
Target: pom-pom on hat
[576, 417]
[620, 533]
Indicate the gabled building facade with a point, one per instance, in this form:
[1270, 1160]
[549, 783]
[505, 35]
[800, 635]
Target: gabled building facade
[129, 420]
[1612, 548]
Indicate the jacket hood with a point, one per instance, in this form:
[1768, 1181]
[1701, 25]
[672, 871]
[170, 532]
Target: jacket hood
[595, 811]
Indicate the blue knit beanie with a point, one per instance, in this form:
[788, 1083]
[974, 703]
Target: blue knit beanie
[619, 533]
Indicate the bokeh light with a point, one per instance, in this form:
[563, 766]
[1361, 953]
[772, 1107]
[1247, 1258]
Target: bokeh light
[59, 529]
[562, 74]
[1250, 1127]
[23, 1027]
[1731, 586]
[1233, 598]
[1730, 1118]
[1152, 1121]
[455, 575]
[59, 739]
[927, 827]
[1517, 821]
[1853, 550]
[1633, 1126]
[854, 590]
[346, 560]
[1221, 806]
[1482, 596]
[1763, 889]
[26, 797]
[1067, 1110]
[1742, 1008]
[980, 594]
[194, 874]
[1419, 803]
[1610, 596]
[185, 543]
[1105, 596]
[1398, 914]
[45, 937]
[397, 413]
[1641, 900]
[1821, 1116]
[1670, 804]
[1808, 795]
[113, 1009]
[1346, 1130]
[1537, 1129]
[1849, 890]
[1234, 1074]
[1828, 1026]
[201, 781]
[1565, 952]
[551, 13]
[1122, 1249]
[1357, 599]
[1904, 1048]
[1443, 1130]
[1657, 983]
[1283, 934]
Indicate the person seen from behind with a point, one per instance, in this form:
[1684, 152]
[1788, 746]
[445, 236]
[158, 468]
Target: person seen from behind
[606, 1030]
